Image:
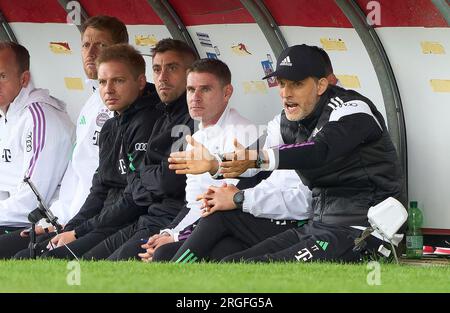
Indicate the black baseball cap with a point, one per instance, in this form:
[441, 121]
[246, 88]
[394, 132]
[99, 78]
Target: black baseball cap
[299, 62]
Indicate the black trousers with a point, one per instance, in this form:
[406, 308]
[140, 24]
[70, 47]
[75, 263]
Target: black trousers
[245, 228]
[126, 243]
[8, 229]
[78, 247]
[312, 242]
[11, 243]
[226, 246]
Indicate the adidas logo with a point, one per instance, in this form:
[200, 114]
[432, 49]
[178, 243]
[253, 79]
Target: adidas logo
[322, 244]
[286, 61]
[315, 131]
[187, 257]
[83, 120]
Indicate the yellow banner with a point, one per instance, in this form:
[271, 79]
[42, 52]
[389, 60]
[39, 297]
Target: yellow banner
[349, 81]
[430, 47]
[440, 85]
[73, 83]
[333, 44]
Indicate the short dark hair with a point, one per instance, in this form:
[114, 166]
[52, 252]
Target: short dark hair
[214, 67]
[326, 59]
[20, 52]
[123, 53]
[169, 44]
[110, 24]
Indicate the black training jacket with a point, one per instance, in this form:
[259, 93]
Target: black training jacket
[153, 188]
[344, 154]
[122, 146]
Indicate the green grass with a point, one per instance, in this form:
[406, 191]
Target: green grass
[51, 275]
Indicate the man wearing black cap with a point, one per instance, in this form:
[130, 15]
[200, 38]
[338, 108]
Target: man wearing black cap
[343, 153]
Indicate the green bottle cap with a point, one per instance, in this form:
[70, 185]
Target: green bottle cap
[413, 204]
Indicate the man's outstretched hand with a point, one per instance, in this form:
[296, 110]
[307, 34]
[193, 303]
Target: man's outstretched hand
[198, 160]
[239, 161]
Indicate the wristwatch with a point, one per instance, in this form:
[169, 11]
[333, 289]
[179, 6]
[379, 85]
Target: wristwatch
[238, 199]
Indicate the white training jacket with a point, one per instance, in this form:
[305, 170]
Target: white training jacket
[77, 180]
[35, 141]
[282, 196]
[217, 139]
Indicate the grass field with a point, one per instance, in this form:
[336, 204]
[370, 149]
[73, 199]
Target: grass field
[51, 276]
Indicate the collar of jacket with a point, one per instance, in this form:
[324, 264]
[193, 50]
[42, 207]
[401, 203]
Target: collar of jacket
[179, 106]
[290, 129]
[311, 120]
[221, 123]
[148, 98]
[19, 103]
[91, 84]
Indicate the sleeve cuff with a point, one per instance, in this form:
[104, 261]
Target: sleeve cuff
[79, 231]
[217, 175]
[247, 204]
[272, 160]
[171, 232]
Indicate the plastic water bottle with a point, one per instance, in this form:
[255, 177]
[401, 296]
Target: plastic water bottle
[414, 238]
